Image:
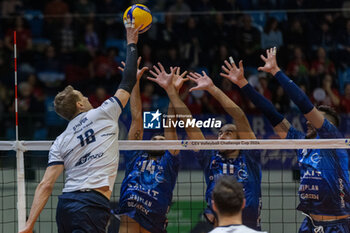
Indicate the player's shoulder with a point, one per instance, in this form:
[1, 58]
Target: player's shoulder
[236, 228]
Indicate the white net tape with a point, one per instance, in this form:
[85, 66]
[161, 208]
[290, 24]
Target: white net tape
[264, 144]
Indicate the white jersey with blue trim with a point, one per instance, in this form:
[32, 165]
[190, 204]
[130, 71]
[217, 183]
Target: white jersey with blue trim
[235, 228]
[88, 148]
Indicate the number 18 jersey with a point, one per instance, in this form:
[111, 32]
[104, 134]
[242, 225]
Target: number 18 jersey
[88, 148]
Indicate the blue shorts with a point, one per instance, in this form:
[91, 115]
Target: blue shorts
[79, 212]
[337, 226]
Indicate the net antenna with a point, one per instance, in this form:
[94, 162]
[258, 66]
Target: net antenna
[19, 148]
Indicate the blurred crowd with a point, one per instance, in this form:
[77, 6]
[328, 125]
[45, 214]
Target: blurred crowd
[82, 43]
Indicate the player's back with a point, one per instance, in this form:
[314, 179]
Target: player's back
[234, 228]
[88, 148]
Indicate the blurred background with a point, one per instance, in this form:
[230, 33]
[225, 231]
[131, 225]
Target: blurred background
[82, 43]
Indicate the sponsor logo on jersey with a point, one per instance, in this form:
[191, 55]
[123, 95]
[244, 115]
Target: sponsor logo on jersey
[86, 158]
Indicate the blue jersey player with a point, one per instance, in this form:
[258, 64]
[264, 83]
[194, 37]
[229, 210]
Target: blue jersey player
[324, 190]
[88, 151]
[150, 176]
[244, 165]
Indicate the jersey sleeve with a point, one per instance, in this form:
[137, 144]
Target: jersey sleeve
[328, 130]
[112, 107]
[295, 134]
[203, 157]
[55, 155]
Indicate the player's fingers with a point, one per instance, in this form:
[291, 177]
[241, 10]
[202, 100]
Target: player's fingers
[241, 65]
[225, 69]
[232, 62]
[152, 79]
[274, 51]
[143, 70]
[138, 62]
[121, 68]
[183, 74]
[228, 65]
[153, 73]
[224, 75]
[263, 58]
[123, 63]
[267, 53]
[260, 68]
[161, 67]
[197, 75]
[194, 88]
[192, 79]
[185, 79]
[156, 69]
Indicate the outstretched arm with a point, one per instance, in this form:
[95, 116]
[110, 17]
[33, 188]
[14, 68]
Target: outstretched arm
[205, 83]
[165, 80]
[42, 194]
[136, 129]
[129, 74]
[315, 117]
[280, 124]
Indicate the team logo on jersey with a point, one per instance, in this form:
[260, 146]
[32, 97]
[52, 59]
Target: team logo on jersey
[151, 120]
[184, 143]
[316, 158]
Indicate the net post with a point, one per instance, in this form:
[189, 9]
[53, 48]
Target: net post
[21, 192]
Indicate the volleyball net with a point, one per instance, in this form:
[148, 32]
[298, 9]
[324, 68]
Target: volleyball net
[280, 182]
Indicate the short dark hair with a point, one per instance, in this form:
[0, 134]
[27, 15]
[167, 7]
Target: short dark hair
[228, 196]
[331, 114]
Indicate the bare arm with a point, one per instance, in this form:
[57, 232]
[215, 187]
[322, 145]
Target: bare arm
[42, 194]
[282, 126]
[170, 133]
[242, 123]
[165, 81]
[315, 117]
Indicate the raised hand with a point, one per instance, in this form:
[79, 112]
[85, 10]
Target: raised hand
[234, 74]
[270, 62]
[162, 78]
[139, 71]
[132, 33]
[179, 80]
[203, 81]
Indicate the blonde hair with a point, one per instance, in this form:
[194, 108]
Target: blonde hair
[65, 103]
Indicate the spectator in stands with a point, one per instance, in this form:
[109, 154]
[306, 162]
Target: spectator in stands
[147, 56]
[50, 69]
[271, 36]
[91, 39]
[85, 8]
[180, 6]
[298, 68]
[147, 95]
[322, 37]
[99, 97]
[295, 35]
[10, 7]
[345, 101]
[24, 36]
[343, 41]
[263, 87]
[331, 96]
[57, 8]
[191, 47]
[248, 41]
[321, 66]
[65, 38]
[166, 32]
[280, 100]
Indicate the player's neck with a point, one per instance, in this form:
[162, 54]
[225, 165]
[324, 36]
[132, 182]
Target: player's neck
[232, 154]
[229, 220]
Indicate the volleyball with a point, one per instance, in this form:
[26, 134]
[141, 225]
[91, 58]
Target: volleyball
[141, 15]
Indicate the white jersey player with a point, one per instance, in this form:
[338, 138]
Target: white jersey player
[88, 151]
[228, 202]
